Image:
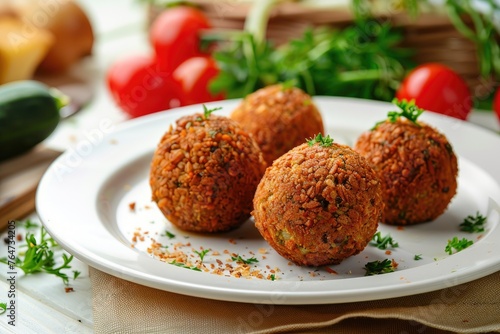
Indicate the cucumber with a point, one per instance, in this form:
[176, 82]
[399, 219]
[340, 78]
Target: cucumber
[29, 113]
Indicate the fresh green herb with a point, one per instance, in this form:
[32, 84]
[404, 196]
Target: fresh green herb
[183, 265]
[28, 224]
[323, 141]
[473, 224]
[76, 274]
[39, 257]
[207, 112]
[475, 20]
[382, 242]
[417, 257]
[379, 267]
[3, 308]
[472, 19]
[408, 110]
[273, 277]
[202, 254]
[363, 60]
[484, 32]
[457, 245]
[247, 261]
[169, 235]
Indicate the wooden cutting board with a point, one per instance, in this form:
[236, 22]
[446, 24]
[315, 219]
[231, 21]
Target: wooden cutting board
[19, 178]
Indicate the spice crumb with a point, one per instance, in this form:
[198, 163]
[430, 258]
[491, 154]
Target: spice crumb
[331, 271]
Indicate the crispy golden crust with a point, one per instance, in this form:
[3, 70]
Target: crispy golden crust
[204, 174]
[317, 206]
[279, 119]
[417, 167]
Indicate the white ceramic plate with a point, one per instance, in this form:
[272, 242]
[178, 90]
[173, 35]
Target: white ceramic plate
[84, 202]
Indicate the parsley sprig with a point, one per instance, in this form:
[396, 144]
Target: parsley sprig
[39, 257]
[379, 267]
[238, 258]
[202, 254]
[355, 61]
[169, 235]
[473, 224]
[207, 112]
[322, 140]
[408, 109]
[457, 245]
[382, 242]
[183, 265]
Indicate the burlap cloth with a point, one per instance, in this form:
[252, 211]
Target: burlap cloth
[120, 306]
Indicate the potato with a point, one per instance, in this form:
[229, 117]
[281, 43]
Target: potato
[71, 27]
[21, 50]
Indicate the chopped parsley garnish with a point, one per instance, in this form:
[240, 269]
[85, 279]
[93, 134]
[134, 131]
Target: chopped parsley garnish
[473, 224]
[322, 140]
[273, 277]
[183, 265]
[379, 267]
[417, 257]
[169, 235]
[247, 261]
[202, 254]
[39, 257]
[207, 112]
[28, 224]
[409, 110]
[76, 273]
[382, 242]
[457, 245]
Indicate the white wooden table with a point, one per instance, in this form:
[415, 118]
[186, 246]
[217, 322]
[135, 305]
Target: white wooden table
[42, 305]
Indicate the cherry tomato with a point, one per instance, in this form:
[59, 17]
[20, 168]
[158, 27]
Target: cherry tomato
[496, 103]
[437, 88]
[140, 88]
[175, 35]
[194, 76]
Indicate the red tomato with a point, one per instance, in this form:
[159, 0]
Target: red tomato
[437, 88]
[194, 75]
[175, 35]
[496, 103]
[139, 88]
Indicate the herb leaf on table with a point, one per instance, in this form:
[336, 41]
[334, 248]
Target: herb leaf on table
[39, 257]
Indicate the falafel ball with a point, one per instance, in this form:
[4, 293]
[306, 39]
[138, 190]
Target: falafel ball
[318, 205]
[279, 118]
[204, 173]
[417, 167]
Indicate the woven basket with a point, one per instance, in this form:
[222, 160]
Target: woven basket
[431, 36]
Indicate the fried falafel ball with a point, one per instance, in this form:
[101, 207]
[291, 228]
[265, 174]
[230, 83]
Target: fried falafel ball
[317, 205]
[279, 118]
[204, 173]
[417, 167]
